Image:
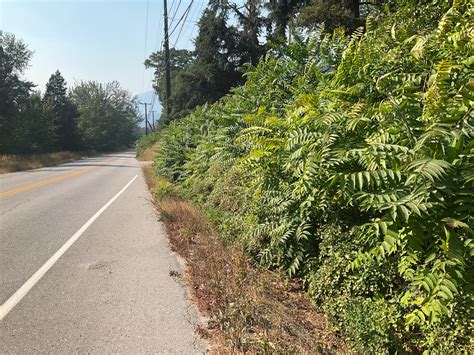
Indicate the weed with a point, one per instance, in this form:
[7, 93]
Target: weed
[250, 309]
[12, 163]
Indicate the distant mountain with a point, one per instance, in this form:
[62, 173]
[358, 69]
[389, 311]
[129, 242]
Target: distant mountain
[148, 98]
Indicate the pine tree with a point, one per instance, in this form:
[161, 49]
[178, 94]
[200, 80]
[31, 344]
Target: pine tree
[251, 23]
[279, 14]
[65, 111]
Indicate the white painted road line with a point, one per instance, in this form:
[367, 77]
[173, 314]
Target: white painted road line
[28, 285]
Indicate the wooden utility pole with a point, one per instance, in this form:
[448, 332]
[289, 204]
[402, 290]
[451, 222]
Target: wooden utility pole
[167, 59]
[146, 116]
[153, 118]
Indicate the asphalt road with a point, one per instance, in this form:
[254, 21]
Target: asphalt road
[85, 264]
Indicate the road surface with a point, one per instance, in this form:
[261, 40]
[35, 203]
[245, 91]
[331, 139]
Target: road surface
[85, 264]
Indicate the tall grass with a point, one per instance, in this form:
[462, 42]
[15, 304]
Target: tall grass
[10, 163]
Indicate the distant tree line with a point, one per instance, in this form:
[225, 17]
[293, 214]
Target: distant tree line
[90, 116]
[230, 38]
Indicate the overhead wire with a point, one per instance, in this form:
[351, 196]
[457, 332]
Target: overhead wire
[184, 21]
[153, 99]
[158, 30]
[176, 10]
[170, 9]
[195, 22]
[146, 39]
[181, 18]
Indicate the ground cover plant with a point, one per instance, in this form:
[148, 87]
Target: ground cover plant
[347, 161]
[249, 309]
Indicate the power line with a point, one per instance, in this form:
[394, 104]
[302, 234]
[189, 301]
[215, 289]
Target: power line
[171, 7]
[154, 93]
[195, 22]
[146, 39]
[152, 73]
[176, 11]
[158, 32]
[188, 21]
[181, 18]
[182, 25]
[167, 60]
[172, 4]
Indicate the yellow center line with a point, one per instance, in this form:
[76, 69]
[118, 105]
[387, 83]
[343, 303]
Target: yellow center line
[49, 181]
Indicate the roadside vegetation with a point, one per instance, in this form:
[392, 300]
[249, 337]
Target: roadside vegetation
[250, 309]
[345, 161]
[12, 163]
[88, 116]
[146, 146]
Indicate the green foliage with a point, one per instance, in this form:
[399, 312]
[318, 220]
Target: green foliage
[367, 324]
[108, 115]
[348, 161]
[279, 13]
[14, 91]
[65, 111]
[145, 142]
[334, 13]
[207, 73]
[30, 123]
[182, 98]
[36, 126]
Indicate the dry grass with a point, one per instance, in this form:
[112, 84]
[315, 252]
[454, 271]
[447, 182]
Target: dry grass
[148, 154]
[249, 309]
[12, 163]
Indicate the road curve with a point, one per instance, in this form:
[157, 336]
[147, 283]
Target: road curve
[85, 265]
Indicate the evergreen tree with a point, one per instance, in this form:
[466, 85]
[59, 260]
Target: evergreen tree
[217, 50]
[348, 14]
[251, 22]
[208, 73]
[279, 14]
[183, 96]
[65, 111]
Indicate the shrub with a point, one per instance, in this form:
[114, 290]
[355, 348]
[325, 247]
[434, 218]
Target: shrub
[146, 142]
[348, 162]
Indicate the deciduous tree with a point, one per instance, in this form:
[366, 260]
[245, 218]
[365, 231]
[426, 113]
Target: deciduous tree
[108, 115]
[14, 91]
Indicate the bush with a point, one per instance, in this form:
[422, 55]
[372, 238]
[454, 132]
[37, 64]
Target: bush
[146, 142]
[348, 162]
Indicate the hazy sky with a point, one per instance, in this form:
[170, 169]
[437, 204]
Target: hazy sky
[101, 40]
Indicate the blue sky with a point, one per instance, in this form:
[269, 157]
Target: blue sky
[101, 40]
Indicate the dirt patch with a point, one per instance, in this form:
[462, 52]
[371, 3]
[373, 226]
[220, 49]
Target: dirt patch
[250, 309]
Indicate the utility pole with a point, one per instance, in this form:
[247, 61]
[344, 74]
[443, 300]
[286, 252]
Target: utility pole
[167, 60]
[146, 116]
[153, 117]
